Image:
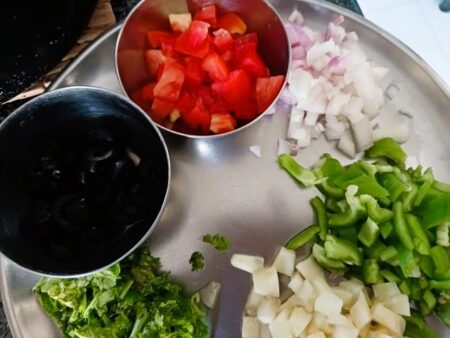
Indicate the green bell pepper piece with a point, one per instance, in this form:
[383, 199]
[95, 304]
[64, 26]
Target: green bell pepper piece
[416, 327]
[442, 235]
[332, 205]
[348, 234]
[392, 184]
[369, 232]
[441, 186]
[376, 250]
[440, 258]
[303, 237]
[354, 212]
[371, 272]
[404, 288]
[407, 262]
[330, 189]
[386, 229]
[426, 265]
[330, 167]
[428, 302]
[427, 180]
[390, 276]
[318, 253]
[321, 216]
[302, 175]
[401, 226]
[389, 254]
[342, 250]
[375, 212]
[440, 285]
[408, 197]
[387, 148]
[443, 312]
[435, 211]
[418, 234]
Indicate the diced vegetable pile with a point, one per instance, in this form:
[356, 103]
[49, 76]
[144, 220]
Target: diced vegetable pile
[130, 299]
[206, 75]
[304, 304]
[335, 88]
[380, 221]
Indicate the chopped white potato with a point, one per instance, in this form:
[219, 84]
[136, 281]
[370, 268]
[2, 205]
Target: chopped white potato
[321, 285]
[346, 296]
[385, 291]
[339, 319]
[264, 331]
[307, 295]
[399, 304]
[285, 261]
[291, 302]
[299, 320]
[268, 309]
[309, 268]
[328, 304]
[265, 282]
[296, 282]
[280, 327]
[345, 332]
[353, 286]
[360, 312]
[319, 322]
[392, 321]
[250, 327]
[247, 263]
[209, 294]
[252, 304]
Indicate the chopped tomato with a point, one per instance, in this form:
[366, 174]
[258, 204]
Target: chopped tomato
[207, 14]
[222, 40]
[215, 66]
[194, 41]
[232, 23]
[168, 45]
[161, 108]
[205, 93]
[252, 63]
[267, 90]
[136, 96]
[245, 44]
[246, 111]
[194, 74]
[154, 58]
[236, 90]
[186, 103]
[147, 92]
[218, 107]
[198, 118]
[222, 123]
[155, 37]
[169, 85]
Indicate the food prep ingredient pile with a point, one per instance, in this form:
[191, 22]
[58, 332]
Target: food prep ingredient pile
[380, 221]
[206, 75]
[335, 88]
[130, 299]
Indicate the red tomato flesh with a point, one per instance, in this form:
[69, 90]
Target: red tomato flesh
[194, 41]
[267, 90]
[207, 14]
[169, 85]
[232, 23]
[155, 38]
[154, 58]
[215, 66]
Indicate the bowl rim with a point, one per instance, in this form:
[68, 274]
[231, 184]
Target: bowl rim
[71, 90]
[213, 136]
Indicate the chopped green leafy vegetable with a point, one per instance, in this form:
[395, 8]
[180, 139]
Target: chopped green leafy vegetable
[131, 299]
[219, 242]
[197, 261]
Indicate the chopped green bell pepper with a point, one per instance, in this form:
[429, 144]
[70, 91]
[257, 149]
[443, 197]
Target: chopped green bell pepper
[386, 229]
[302, 175]
[369, 232]
[320, 213]
[303, 237]
[443, 312]
[392, 184]
[418, 234]
[319, 255]
[375, 212]
[440, 258]
[408, 197]
[407, 262]
[371, 272]
[387, 148]
[342, 250]
[440, 285]
[427, 180]
[442, 235]
[330, 189]
[332, 205]
[428, 302]
[435, 211]
[401, 226]
[390, 276]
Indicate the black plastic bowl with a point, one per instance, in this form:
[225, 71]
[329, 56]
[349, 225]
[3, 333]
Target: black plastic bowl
[53, 226]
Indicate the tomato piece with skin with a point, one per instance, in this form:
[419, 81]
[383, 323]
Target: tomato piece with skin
[237, 90]
[245, 44]
[222, 40]
[169, 85]
[232, 23]
[161, 109]
[205, 93]
[215, 66]
[137, 98]
[246, 111]
[267, 90]
[168, 45]
[194, 74]
[186, 103]
[198, 118]
[195, 41]
[154, 58]
[155, 38]
[219, 107]
[253, 64]
[147, 92]
[208, 14]
[222, 123]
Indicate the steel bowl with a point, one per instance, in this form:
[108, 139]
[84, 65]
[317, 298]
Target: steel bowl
[148, 15]
[26, 132]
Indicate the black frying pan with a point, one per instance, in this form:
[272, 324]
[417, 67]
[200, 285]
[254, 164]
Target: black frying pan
[34, 37]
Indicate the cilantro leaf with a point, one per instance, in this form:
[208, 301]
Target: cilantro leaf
[197, 261]
[219, 242]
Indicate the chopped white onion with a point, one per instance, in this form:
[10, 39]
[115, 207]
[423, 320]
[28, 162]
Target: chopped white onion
[209, 294]
[256, 150]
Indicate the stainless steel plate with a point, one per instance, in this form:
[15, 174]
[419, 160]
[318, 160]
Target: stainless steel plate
[220, 187]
